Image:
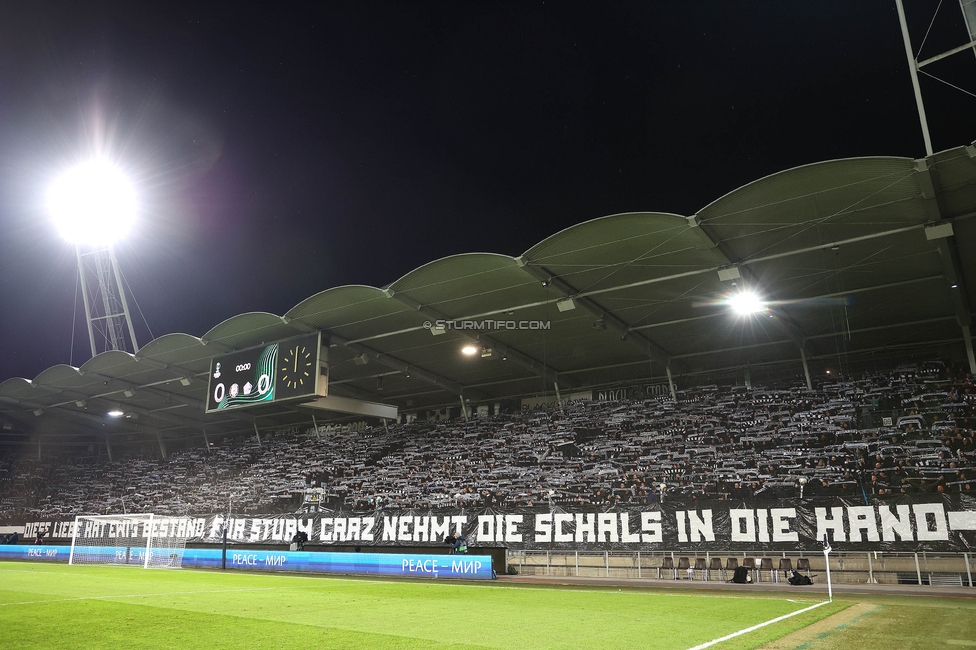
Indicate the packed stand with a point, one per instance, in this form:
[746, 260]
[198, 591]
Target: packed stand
[902, 433]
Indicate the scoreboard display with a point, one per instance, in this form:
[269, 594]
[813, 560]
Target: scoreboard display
[279, 371]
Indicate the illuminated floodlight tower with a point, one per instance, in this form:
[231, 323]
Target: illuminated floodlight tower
[93, 206]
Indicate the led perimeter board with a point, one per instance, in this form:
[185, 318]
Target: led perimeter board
[279, 371]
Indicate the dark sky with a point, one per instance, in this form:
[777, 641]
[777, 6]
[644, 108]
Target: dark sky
[280, 149]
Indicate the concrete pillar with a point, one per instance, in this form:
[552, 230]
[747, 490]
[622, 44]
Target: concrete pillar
[806, 368]
[967, 337]
[671, 383]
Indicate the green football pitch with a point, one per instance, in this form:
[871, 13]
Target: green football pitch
[57, 606]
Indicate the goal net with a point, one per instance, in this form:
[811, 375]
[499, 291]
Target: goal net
[136, 540]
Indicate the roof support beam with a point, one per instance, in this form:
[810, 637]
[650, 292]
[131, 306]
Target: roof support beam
[948, 254]
[612, 321]
[782, 319]
[686, 274]
[95, 422]
[397, 364]
[529, 363]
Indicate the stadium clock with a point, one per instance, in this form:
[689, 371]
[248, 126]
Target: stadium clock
[283, 370]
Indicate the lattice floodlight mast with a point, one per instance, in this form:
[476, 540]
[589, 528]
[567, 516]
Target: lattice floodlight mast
[129, 540]
[968, 8]
[106, 308]
[93, 204]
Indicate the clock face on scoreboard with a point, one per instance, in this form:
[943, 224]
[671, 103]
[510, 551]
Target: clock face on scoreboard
[284, 370]
[296, 367]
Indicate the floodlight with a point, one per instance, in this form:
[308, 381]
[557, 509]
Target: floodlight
[744, 303]
[92, 204]
[116, 413]
[469, 350]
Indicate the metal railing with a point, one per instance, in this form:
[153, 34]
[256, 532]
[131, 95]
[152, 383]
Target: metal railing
[875, 567]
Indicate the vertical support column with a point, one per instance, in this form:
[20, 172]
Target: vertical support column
[464, 407]
[38, 448]
[559, 398]
[670, 382]
[969, 572]
[108, 448]
[748, 378]
[548, 563]
[206, 440]
[606, 561]
[918, 570]
[257, 434]
[638, 564]
[806, 368]
[913, 69]
[162, 448]
[967, 337]
[577, 564]
[871, 579]
[316, 426]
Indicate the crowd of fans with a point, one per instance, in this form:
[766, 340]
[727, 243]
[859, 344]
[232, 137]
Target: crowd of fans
[906, 432]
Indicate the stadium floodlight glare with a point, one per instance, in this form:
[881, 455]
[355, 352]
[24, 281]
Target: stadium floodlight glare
[745, 303]
[92, 204]
[469, 350]
[116, 413]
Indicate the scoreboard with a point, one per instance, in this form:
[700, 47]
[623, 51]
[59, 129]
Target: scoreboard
[283, 370]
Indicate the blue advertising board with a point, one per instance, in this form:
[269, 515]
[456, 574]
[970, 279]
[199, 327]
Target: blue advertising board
[477, 567]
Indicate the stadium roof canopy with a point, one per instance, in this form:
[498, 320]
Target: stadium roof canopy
[859, 258]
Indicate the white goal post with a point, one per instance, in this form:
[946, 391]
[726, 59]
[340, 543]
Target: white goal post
[133, 540]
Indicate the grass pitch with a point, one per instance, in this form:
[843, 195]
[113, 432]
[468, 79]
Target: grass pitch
[57, 606]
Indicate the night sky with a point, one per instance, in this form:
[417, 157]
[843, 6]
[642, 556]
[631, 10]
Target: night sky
[282, 149]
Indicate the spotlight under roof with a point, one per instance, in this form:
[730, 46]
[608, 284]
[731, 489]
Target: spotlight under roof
[469, 350]
[745, 303]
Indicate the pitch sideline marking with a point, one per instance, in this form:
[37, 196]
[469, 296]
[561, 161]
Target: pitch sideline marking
[708, 644]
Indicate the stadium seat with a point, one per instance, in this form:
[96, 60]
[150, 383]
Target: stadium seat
[731, 564]
[750, 563]
[766, 564]
[684, 564]
[667, 564]
[803, 564]
[785, 565]
[701, 567]
[715, 564]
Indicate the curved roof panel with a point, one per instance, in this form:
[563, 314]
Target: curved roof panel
[250, 329]
[353, 312]
[466, 285]
[819, 203]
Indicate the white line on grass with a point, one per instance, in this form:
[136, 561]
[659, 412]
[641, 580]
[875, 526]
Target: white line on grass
[635, 590]
[164, 593]
[756, 627]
